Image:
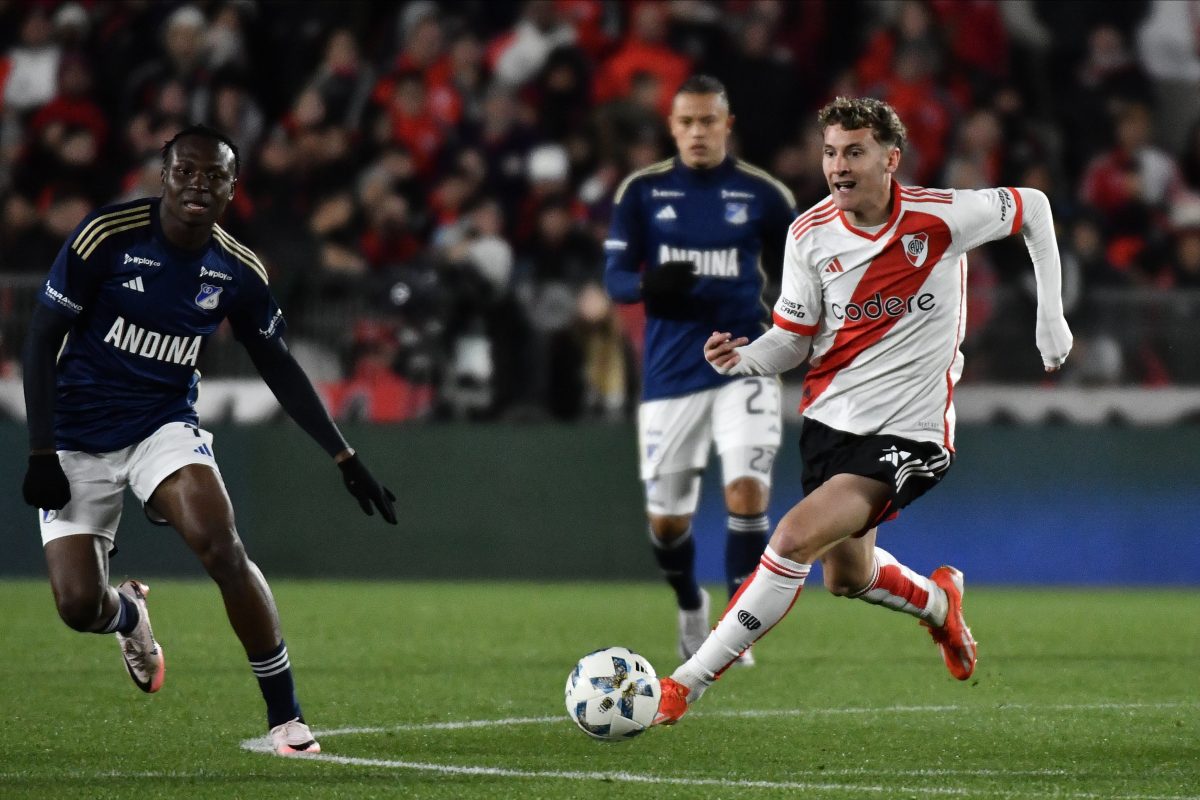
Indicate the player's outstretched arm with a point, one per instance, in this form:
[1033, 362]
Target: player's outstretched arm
[300, 400]
[773, 353]
[1053, 335]
[46, 485]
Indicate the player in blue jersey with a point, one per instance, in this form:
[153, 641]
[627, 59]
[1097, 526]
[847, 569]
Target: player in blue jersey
[135, 291]
[688, 240]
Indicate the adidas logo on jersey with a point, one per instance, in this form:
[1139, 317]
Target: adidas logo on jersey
[667, 212]
[835, 266]
[135, 284]
[894, 456]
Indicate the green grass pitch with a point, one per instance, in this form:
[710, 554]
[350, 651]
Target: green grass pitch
[1078, 694]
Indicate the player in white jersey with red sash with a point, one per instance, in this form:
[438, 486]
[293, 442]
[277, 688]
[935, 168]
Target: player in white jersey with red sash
[874, 296]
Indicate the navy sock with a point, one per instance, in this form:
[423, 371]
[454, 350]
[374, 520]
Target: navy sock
[744, 545]
[274, 673]
[677, 560]
[126, 618]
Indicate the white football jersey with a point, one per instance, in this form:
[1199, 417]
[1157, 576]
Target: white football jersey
[887, 310]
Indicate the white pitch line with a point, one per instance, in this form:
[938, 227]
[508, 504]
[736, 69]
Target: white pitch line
[263, 745]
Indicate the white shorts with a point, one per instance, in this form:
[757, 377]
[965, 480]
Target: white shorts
[676, 434]
[98, 480]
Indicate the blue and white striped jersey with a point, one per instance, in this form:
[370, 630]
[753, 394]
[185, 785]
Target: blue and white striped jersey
[716, 218]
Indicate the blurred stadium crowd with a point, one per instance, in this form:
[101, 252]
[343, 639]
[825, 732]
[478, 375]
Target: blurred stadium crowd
[429, 183]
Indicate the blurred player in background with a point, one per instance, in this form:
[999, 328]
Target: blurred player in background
[134, 292]
[689, 239]
[874, 295]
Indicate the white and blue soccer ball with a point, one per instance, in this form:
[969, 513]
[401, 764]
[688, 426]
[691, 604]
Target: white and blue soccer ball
[612, 694]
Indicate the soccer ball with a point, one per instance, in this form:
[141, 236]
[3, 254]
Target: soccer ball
[612, 694]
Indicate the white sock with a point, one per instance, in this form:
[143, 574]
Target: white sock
[764, 598]
[897, 587]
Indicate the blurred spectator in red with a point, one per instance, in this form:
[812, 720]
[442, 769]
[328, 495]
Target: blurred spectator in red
[978, 40]
[459, 81]
[518, 56]
[979, 144]
[408, 120]
[586, 17]
[387, 239]
[1131, 183]
[72, 108]
[374, 392]
[644, 49]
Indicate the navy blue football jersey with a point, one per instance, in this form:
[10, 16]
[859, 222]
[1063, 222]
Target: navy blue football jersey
[142, 310]
[717, 219]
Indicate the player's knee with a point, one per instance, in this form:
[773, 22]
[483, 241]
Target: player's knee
[746, 495]
[223, 557]
[669, 528]
[838, 584]
[81, 608]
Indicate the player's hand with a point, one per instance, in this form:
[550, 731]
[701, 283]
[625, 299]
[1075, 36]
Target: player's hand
[1054, 342]
[667, 289]
[46, 485]
[369, 493]
[720, 351]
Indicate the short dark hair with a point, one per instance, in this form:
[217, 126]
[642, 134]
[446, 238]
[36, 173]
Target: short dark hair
[703, 84]
[208, 133]
[855, 113]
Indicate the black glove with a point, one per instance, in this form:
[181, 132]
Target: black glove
[666, 290]
[368, 491]
[46, 485]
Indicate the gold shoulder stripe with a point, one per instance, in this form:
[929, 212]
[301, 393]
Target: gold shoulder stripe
[108, 220]
[771, 179]
[141, 222]
[240, 251]
[653, 169]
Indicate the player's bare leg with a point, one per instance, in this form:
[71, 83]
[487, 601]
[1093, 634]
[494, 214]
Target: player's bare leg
[861, 569]
[746, 500]
[194, 501]
[78, 568]
[841, 507]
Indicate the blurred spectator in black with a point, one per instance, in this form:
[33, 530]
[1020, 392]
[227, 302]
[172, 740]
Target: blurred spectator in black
[592, 366]
[387, 239]
[181, 65]
[623, 121]
[1184, 259]
[560, 251]
[33, 234]
[760, 80]
[564, 94]
[798, 164]
[504, 139]
[1106, 79]
[343, 80]
[1189, 164]
[235, 113]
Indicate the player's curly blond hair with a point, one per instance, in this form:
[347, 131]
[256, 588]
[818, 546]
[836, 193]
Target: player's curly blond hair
[854, 113]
